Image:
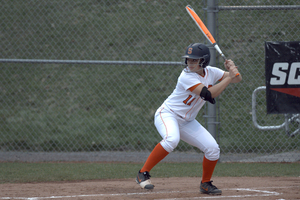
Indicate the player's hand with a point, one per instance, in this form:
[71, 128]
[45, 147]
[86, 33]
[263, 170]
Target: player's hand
[233, 72]
[228, 63]
[232, 68]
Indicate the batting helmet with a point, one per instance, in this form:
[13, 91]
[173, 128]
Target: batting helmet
[198, 51]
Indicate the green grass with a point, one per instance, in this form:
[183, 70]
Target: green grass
[52, 172]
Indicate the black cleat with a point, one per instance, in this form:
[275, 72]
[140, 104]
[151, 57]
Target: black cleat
[208, 188]
[143, 179]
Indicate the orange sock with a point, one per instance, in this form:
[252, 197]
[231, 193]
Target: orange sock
[157, 154]
[208, 169]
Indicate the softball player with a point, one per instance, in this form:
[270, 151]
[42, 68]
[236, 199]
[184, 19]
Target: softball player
[175, 118]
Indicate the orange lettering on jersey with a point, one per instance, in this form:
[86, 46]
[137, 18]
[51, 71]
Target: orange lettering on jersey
[187, 100]
[191, 102]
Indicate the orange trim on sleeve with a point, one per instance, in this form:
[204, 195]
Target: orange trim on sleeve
[193, 87]
[222, 77]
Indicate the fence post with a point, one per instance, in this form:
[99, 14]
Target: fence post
[211, 25]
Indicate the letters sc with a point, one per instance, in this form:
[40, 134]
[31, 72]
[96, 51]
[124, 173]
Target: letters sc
[283, 74]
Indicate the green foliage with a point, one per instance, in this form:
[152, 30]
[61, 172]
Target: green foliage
[54, 107]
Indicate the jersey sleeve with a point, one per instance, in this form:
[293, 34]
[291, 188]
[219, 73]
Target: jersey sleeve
[218, 74]
[188, 80]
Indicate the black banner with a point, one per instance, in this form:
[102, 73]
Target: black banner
[282, 67]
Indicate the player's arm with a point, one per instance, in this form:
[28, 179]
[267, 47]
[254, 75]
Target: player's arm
[203, 91]
[235, 79]
[209, 94]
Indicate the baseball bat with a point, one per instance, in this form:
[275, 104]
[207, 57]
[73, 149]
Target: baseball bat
[204, 30]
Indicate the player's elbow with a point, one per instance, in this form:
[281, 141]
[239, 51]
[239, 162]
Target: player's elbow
[206, 95]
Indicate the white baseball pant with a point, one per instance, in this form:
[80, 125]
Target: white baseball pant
[172, 128]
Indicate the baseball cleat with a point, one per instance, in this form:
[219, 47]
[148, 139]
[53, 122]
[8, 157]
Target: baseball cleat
[208, 188]
[143, 179]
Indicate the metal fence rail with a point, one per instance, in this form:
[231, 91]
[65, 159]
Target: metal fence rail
[97, 62]
[87, 76]
[261, 7]
[289, 118]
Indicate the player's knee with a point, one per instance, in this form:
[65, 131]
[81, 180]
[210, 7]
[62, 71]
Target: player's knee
[212, 152]
[170, 144]
[173, 143]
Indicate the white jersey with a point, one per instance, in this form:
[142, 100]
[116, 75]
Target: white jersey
[183, 102]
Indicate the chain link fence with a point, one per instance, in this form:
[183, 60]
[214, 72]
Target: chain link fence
[87, 76]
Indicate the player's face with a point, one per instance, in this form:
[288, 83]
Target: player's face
[193, 64]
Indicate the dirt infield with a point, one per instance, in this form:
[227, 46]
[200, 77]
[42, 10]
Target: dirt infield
[278, 188]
